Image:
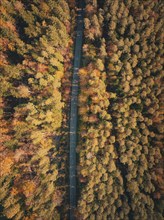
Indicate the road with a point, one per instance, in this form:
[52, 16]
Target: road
[73, 113]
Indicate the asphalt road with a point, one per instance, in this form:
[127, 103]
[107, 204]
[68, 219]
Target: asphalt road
[73, 113]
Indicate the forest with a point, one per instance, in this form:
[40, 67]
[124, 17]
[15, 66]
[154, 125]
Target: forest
[120, 110]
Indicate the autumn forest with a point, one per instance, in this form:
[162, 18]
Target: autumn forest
[119, 149]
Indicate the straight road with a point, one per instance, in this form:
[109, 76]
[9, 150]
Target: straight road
[73, 113]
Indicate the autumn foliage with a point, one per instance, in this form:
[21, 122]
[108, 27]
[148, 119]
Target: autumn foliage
[35, 56]
[120, 109]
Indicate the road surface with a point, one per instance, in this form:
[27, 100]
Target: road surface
[73, 113]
